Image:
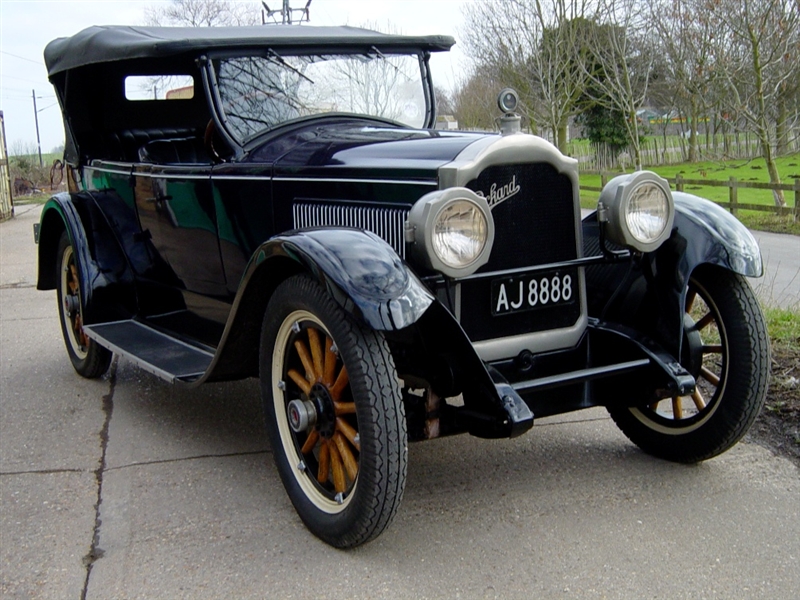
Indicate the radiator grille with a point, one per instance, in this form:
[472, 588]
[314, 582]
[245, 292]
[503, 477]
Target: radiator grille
[385, 222]
[534, 225]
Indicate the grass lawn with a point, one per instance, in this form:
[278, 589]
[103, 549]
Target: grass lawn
[744, 170]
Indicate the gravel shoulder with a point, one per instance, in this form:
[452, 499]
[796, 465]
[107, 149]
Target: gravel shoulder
[778, 425]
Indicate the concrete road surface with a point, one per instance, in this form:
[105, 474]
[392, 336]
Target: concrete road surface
[128, 488]
[780, 285]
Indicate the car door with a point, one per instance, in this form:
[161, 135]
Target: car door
[176, 212]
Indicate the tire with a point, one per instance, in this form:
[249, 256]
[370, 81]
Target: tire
[726, 348]
[88, 358]
[345, 469]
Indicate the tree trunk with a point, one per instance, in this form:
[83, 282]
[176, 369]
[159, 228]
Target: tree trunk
[781, 128]
[772, 169]
[562, 137]
[693, 131]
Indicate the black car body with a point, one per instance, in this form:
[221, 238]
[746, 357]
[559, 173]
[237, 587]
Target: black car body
[290, 214]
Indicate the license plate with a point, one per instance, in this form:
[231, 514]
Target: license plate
[529, 292]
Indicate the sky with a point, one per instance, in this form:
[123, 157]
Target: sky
[26, 26]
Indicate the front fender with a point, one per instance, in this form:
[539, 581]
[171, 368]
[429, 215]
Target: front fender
[652, 293]
[715, 237]
[361, 271]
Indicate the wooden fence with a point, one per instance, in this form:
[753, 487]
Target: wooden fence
[673, 150]
[6, 206]
[733, 204]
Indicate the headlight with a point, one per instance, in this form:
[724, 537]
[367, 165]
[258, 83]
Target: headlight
[640, 210]
[451, 231]
[459, 234]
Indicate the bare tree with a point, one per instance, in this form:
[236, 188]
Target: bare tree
[202, 13]
[534, 47]
[621, 63]
[686, 34]
[474, 101]
[758, 50]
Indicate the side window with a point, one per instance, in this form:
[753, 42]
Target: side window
[159, 87]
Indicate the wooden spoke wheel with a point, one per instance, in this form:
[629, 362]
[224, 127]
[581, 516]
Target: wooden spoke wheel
[321, 412]
[726, 348]
[334, 414]
[89, 359]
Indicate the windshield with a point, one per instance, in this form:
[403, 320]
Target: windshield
[259, 92]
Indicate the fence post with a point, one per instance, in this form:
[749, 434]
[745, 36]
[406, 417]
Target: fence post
[733, 196]
[797, 199]
[603, 179]
[678, 182]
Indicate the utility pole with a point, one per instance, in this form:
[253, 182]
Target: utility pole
[36, 118]
[286, 13]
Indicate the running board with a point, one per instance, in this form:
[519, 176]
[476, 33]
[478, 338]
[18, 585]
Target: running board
[152, 350]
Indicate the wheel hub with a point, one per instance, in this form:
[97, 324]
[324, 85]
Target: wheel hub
[302, 415]
[320, 398]
[71, 304]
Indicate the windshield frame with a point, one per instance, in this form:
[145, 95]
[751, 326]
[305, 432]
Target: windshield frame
[212, 88]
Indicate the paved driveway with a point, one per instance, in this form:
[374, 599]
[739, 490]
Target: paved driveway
[780, 285]
[128, 488]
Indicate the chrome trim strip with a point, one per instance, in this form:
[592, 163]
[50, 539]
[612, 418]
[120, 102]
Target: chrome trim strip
[133, 171]
[170, 176]
[141, 173]
[348, 180]
[112, 171]
[578, 262]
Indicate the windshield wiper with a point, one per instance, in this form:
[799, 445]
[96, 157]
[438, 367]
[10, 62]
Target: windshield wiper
[279, 59]
[380, 55]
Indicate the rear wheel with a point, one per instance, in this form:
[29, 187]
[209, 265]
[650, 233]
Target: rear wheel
[727, 350]
[334, 414]
[88, 358]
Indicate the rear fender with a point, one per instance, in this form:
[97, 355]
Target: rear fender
[106, 282]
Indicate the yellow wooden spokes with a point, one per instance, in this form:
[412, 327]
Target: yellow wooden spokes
[336, 456]
[711, 348]
[677, 408]
[690, 297]
[704, 322]
[709, 376]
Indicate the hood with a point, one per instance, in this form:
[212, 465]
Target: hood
[356, 148]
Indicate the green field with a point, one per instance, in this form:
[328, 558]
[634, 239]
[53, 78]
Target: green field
[744, 170]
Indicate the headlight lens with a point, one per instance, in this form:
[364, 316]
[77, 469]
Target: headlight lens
[459, 234]
[450, 231]
[647, 213]
[638, 210]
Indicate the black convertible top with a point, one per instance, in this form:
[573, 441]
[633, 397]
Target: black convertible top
[111, 43]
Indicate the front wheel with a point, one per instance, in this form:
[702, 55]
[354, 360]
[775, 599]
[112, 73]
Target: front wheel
[88, 358]
[726, 348]
[334, 414]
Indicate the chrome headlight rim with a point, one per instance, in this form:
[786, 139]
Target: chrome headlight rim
[421, 225]
[616, 198]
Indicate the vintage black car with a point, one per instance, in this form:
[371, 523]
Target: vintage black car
[274, 202]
